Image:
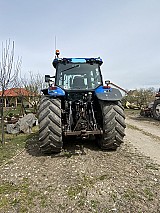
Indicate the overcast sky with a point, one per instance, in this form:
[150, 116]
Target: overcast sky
[124, 33]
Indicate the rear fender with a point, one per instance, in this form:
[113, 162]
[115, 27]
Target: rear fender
[55, 92]
[111, 94]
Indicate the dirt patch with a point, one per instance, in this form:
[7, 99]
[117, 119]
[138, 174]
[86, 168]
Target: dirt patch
[144, 134]
[80, 179]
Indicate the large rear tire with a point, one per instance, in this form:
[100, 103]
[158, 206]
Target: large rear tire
[156, 109]
[113, 125]
[50, 131]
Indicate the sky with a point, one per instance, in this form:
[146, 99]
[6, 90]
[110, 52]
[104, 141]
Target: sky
[124, 33]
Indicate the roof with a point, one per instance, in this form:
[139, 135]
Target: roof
[15, 92]
[77, 60]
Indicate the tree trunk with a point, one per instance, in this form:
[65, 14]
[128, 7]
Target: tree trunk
[2, 119]
[3, 134]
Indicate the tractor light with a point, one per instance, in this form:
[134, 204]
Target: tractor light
[106, 87]
[52, 88]
[57, 53]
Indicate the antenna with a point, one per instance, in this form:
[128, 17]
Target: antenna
[55, 43]
[57, 52]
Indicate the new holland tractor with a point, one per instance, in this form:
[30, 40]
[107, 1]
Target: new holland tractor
[78, 106]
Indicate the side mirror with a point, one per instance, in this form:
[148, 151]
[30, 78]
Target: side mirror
[48, 78]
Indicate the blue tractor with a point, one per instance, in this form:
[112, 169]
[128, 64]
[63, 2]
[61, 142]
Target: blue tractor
[78, 105]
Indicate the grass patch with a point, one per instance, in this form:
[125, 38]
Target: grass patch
[94, 203]
[13, 111]
[133, 127]
[130, 194]
[73, 191]
[103, 177]
[67, 154]
[132, 111]
[152, 166]
[80, 189]
[16, 111]
[13, 145]
[16, 196]
[149, 194]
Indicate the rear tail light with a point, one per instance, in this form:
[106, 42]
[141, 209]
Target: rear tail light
[106, 87]
[52, 88]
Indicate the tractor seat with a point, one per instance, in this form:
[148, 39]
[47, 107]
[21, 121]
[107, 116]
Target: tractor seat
[78, 83]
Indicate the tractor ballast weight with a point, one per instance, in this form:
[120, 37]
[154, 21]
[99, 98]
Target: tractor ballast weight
[78, 105]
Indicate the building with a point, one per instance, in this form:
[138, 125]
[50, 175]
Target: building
[14, 96]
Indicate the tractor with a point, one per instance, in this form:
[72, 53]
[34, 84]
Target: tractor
[76, 105]
[153, 109]
[156, 106]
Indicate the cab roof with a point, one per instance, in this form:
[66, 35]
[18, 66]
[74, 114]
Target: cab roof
[77, 61]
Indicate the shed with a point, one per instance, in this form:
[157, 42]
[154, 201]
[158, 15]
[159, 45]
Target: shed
[14, 96]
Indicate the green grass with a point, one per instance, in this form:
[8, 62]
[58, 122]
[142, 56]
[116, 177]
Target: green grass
[13, 145]
[103, 177]
[80, 188]
[131, 112]
[130, 194]
[152, 166]
[17, 196]
[16, 111]
[149, 194]
[95, 203]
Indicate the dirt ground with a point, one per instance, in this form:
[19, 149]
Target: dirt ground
[85, 179]
[144, 134]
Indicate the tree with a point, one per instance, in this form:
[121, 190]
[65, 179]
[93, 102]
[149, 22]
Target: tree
[9, 70]
[34, 83]
[140, 97]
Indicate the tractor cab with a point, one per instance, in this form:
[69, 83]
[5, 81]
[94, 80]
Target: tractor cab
[78, 73]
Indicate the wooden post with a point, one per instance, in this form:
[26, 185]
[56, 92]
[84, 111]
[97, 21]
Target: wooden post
[29, 101]
[5, 104]
[16, 102]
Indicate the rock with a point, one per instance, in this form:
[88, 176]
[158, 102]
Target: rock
[24, 124]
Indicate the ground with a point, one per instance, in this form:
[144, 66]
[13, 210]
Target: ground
[85, 179]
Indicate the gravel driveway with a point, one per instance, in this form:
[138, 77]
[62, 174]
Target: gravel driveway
[85, 179]
[144, 134]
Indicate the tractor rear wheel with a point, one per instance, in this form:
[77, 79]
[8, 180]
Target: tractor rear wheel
[156, 109]
[113, 125]
[50, 131]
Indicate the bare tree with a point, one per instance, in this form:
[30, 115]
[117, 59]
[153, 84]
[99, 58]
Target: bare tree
[34, 84]
[9, 70]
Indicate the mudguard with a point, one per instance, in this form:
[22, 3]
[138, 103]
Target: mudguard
[55, 92]
[111, 94]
